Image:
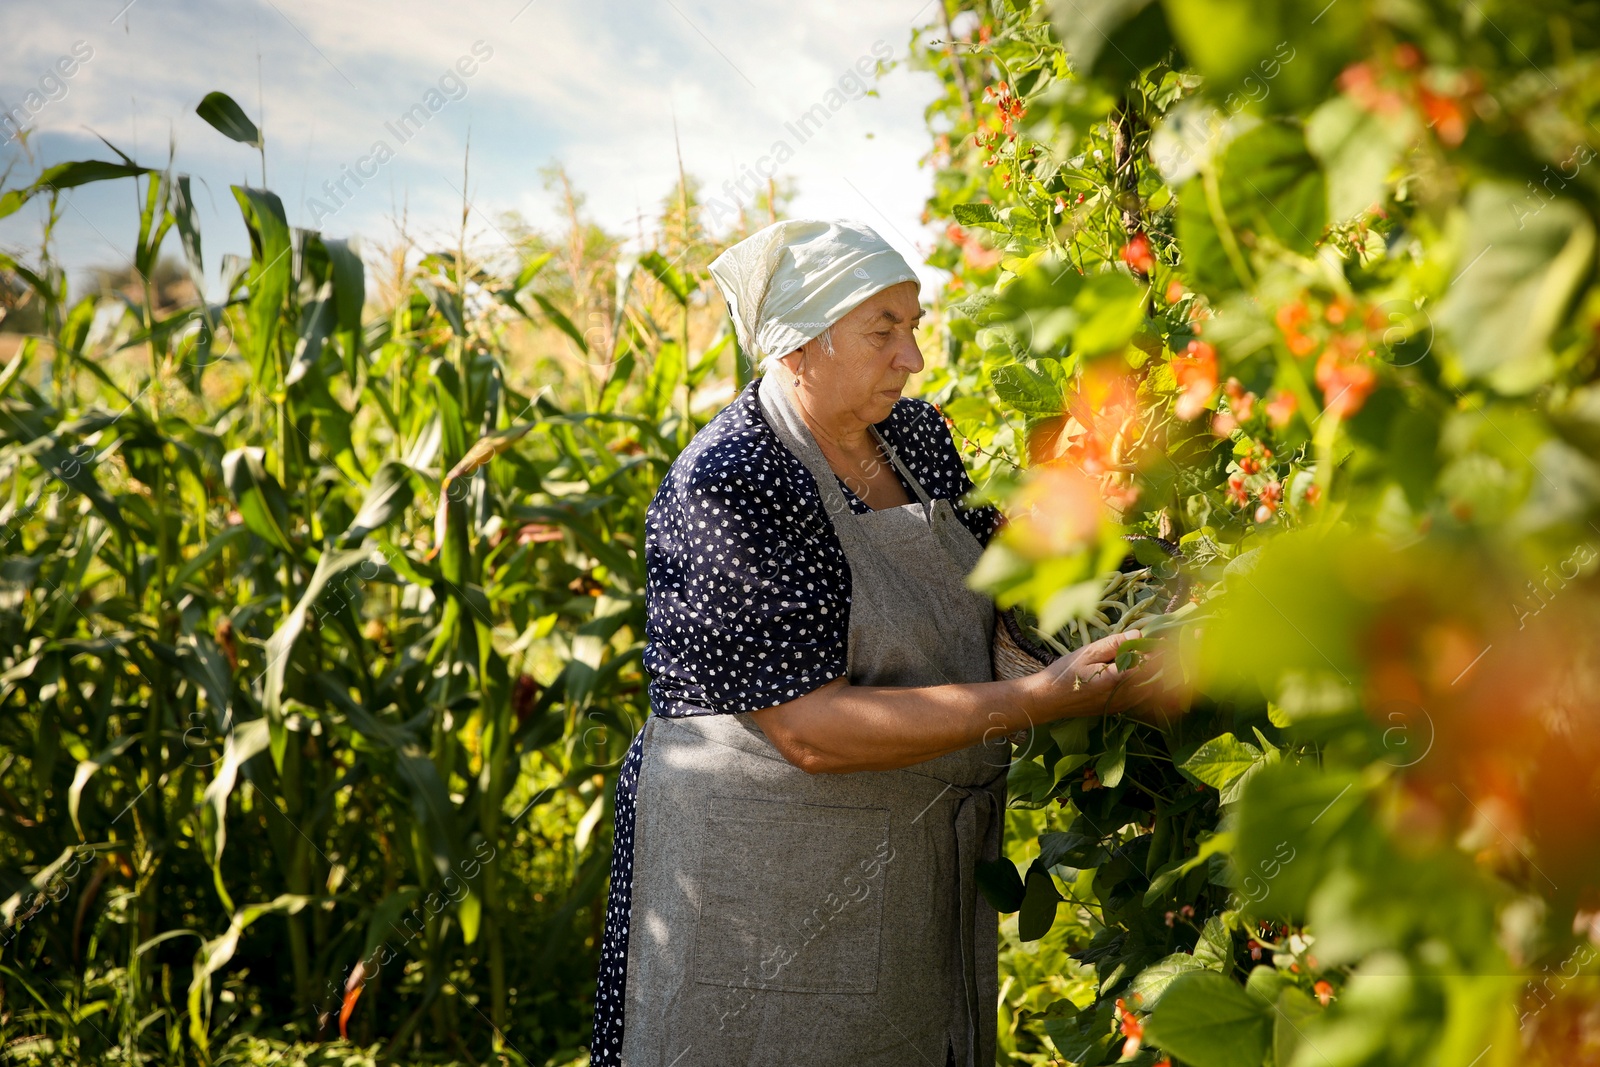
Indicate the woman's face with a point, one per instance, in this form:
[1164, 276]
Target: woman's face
[875, 351]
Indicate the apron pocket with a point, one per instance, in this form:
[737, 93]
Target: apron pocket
[791, 896]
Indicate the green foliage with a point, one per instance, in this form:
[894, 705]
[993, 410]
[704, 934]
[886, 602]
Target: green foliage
[1308, 290]
[321, 639]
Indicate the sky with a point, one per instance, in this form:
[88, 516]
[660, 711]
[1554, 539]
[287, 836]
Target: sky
[595, 86]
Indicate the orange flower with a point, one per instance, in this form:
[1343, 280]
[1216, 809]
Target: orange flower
[1345, 383]
[1324, 991]
[1196, 374]
[1445, 114]
[1058, 512]
[1136, 254]
[1281, 408]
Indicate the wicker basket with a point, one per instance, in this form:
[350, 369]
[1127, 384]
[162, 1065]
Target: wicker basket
[1017, 654]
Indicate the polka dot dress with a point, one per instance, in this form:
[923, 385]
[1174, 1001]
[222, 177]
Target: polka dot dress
[747, 602]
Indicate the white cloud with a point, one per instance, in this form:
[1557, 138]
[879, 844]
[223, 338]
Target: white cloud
[596, 87]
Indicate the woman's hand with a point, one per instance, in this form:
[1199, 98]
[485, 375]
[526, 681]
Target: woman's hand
[1088, 682]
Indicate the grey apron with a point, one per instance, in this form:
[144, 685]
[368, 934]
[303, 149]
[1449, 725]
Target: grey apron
[827, 920]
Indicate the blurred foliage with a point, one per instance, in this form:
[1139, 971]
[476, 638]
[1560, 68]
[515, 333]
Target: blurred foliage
[1310, 290]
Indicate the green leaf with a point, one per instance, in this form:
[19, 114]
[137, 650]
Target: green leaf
[980, 215]
[665, 378]
[1000, 884]
[1069, 847]
[244, 742]
[1210, 1021]
[1221, 760]
[558, 320]
[1358, 148]
[1519, 267]
[1113, 39]
[280, 645]
[349, 281]
[1146, 990]
[1071, 735]
[1271, 54]
[1110, 310]
[1039, 902]
[445, 304]
[87, 769]
[1214, 950]
[389, 495]
[1081, 1036]
[1028, 783]
[1272, 186]
[268, 278]
[215, 954]
[1295, 1011]
[228, 118]
[1109, 767]
[68, 176]
[668, 275]
[1036, 387]
[258, 496]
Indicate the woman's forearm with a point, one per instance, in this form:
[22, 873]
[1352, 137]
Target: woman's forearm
[841, 727]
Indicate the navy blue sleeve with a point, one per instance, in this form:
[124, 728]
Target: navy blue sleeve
[922, 438]
[747, 603]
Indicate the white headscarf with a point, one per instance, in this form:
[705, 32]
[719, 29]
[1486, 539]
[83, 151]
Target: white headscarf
[787, 283]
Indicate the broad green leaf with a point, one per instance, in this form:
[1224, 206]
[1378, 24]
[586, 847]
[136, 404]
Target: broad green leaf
[1519, 265]
[1214, 950]
[980, 215]
[1221, 760]
[1069, 847]
[1290, 818]
[1000, 884]
[1110, 310]
[1110, 766]
[1081, 1036]
[1146, 989]
[1112, 39]
[1295, 1011]
[1027, 783]
[1039, 903]
[1036, 387]
[1273, 55]
[1358, 148]
[228, 118]
[1272, 186]
[1071, 735]
[1207, 1020]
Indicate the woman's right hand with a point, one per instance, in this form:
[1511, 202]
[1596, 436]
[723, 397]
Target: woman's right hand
[1088, 682]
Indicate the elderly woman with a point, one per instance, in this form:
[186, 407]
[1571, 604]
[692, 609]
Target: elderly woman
[798, 823]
